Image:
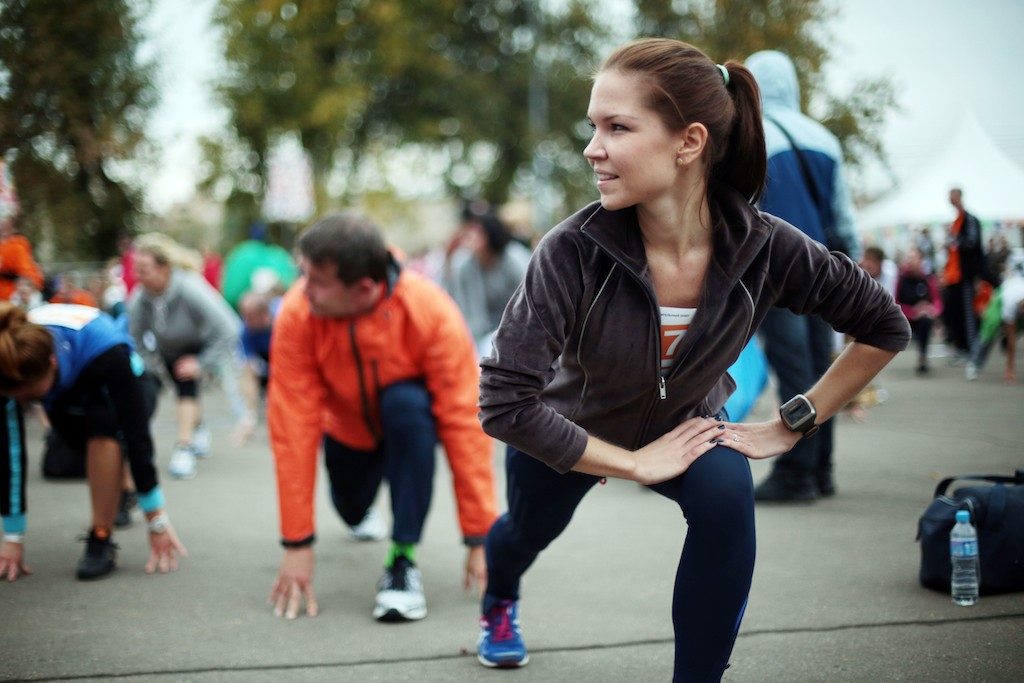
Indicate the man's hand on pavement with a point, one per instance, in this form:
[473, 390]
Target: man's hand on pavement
[295, 582]
[476, 569]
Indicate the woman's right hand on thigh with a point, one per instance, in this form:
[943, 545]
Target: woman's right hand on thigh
[672, 454]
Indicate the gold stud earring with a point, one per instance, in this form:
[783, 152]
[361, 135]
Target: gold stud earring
[679, 161]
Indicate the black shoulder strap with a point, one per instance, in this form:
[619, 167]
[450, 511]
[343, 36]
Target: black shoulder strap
[805, 169]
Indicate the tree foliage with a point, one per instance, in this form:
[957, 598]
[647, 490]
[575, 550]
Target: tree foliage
[73, 102]
[351, 76]
[735, 29]
[356, 78]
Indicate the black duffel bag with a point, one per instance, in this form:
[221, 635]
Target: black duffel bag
[997, 513]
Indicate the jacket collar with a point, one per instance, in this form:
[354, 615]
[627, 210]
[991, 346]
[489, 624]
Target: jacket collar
[739, 234]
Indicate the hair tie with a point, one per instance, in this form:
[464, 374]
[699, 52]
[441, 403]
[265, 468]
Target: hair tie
[725, 74]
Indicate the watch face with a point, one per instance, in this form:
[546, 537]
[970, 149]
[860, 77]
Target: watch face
[796, 411]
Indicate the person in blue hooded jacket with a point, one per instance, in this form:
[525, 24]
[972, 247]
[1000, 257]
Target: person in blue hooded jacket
[84, 369]
[806, 187]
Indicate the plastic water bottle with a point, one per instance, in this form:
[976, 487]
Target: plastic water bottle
[963, 555]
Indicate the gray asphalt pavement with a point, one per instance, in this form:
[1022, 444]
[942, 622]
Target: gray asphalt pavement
[835, 593]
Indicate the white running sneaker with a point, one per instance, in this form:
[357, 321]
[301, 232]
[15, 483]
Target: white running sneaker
[400, 593]
[372, 528]
[201, 441]
[183, 462]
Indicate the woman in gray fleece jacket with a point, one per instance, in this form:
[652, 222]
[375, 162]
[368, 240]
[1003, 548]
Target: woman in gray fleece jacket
[184, 329]
[611, 358]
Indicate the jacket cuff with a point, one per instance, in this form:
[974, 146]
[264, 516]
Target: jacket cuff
[301, 543]
[15, 524]
[473, 541]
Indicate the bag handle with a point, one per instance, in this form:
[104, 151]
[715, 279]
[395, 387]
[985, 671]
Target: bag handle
[1017, 478]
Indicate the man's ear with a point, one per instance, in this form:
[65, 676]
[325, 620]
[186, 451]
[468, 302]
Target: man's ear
[691, 143]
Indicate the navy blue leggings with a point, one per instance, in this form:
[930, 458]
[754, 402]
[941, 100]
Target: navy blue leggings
[405, 458]
[715, 569]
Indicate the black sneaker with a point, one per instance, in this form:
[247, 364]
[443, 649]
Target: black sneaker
[779, 489]
[124, 509]
[400, 593]
[99, 559]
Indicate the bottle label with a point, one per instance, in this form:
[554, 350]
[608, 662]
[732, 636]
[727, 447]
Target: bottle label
[963, 548]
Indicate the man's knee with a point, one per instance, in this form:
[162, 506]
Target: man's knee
[404, 404]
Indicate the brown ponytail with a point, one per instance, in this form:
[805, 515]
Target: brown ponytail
[687, 87]
[25, 349]
[744, 165]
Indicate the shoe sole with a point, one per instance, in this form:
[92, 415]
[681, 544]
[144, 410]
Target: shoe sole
[394, 616]
[504, 664]
[182, 477]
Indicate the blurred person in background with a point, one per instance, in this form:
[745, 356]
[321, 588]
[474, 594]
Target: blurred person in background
[183, 326]
[882, 269]
[918, 296]
[965, 263]
[16, 260]
[26, 295]
[483, 273]
[84, 369]
[213, 266]
[69, 291]
[806, 187]
[1003, 318]
[258, 310]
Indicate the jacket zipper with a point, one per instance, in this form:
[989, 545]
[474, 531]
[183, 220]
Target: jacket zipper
[662, 389]
[367, 415]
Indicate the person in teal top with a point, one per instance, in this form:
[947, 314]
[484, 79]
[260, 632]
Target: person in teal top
[250, 256]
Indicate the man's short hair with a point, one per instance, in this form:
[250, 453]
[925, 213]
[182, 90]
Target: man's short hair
[876, 253]
[351, 242]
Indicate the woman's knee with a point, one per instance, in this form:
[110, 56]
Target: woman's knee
[718, 485]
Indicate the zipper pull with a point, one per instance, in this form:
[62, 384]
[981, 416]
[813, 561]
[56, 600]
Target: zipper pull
[661, 387]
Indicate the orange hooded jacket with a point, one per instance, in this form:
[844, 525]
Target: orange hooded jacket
[415, 332]
[16, 261]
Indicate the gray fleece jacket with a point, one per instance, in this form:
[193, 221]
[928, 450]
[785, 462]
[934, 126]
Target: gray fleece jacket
[578, 350]
[190, 316]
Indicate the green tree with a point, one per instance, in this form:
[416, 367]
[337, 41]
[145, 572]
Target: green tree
[73, 102]
[353, 76]
[735, 29]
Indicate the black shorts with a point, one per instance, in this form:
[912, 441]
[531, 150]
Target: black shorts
[85, 410]
[184, 388]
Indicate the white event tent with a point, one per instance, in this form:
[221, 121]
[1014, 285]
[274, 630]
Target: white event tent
[992, 184]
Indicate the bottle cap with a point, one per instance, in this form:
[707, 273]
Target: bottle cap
[963, 516]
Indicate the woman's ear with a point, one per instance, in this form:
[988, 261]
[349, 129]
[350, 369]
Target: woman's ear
[691, 143]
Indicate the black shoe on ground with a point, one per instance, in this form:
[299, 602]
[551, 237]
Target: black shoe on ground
[922, 369]
[776, 489]
[99, 559]
[124, 509]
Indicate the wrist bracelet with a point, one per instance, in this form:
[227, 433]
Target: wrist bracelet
[14, 538]
[159, 523]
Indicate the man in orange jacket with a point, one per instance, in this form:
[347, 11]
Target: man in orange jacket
[377, 364]
[16, 260]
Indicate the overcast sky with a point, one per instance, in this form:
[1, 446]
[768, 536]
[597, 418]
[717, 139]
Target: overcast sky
[945, 56]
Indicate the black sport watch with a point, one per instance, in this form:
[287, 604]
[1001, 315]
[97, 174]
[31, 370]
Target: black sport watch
[798, 414]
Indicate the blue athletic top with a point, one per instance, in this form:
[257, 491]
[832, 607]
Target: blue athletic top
[80, 334]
